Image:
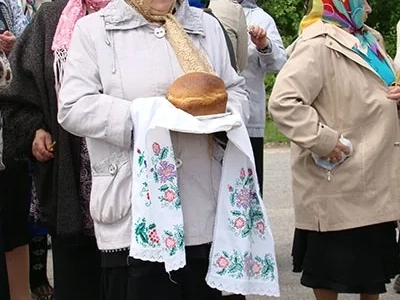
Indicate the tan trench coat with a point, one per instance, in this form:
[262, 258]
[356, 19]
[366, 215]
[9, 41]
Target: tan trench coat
[326, 88]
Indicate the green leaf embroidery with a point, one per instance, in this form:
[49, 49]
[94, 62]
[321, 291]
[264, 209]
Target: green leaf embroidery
[140, 227]
[246, 232]
[155, 175]
[256, 216]
[164, 153]
[143, 236]
[164, 187]
[141, 160]
[237, 213]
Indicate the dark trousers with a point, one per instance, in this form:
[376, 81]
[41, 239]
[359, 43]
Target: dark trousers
[257, 143]
[77, 269]
[142, 280]
[4, 291]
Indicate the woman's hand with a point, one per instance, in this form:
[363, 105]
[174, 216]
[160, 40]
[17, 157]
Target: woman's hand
[42, 146]
[394, 93]
[337, 153]
[258, 36]
[7, 41]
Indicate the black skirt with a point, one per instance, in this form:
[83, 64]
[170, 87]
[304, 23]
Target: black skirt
[126, 278]
[15, 189]
[360, 260]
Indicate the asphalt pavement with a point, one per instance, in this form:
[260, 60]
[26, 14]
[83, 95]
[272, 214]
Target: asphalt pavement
[278, 200]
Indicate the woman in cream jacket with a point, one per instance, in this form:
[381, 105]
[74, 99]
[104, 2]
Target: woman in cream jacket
[122, 56]
[337, 83]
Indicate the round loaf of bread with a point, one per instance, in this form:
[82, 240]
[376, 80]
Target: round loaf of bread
[199, 94]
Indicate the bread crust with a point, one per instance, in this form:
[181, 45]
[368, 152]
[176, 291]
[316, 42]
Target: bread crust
[199, 94]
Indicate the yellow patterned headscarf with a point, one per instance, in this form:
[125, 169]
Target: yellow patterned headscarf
[346, 14]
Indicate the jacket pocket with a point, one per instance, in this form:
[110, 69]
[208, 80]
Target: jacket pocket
[111, 188]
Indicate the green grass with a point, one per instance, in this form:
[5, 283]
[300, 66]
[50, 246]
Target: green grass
[272, 134]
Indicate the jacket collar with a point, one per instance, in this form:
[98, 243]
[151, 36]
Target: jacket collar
[340, 41]
[118, 15]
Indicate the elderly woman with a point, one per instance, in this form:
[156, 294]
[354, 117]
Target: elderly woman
[334, 99]
[120, 67]
[397, 57]
[5, 78]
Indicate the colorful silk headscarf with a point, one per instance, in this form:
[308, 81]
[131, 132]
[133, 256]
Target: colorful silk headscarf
[346, 14]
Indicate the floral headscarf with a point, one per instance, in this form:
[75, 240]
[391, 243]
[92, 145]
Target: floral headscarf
[346, 14]
[73, 11]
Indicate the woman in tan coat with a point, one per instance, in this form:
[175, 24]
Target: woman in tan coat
[397, 57]
[334, 100]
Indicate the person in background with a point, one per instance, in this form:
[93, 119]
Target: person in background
[30, 7]
[38, 243]
[5, 78]
[204, 5]
[396, 285]
[397, 57]
[14, 180]
[232, 17]
[61, 171]
[266, 54]
[335, 99]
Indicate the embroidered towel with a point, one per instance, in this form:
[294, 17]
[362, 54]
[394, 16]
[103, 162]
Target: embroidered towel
[242, 258]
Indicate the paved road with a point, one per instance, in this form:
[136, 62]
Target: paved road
[278, 199]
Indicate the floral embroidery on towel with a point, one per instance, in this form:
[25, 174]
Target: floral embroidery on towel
[238, 265]
[158, 190]
[247, 217]
[146, 235]
[165, 173]
[174, 241]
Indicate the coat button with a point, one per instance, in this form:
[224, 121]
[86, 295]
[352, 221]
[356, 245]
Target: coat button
[397, 144]
[178, 163]
[113, 169]
[159, 32]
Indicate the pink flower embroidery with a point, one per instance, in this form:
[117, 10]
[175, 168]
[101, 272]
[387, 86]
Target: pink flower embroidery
[153, 236]
[230, 188]
[256, 268]
[169, 196]
[239, 223]
[242, 173]
[222, 262]
[250, 172]
[170, 242]
[147, 196]
[138, 151]
[156, 148]
[260, 227]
